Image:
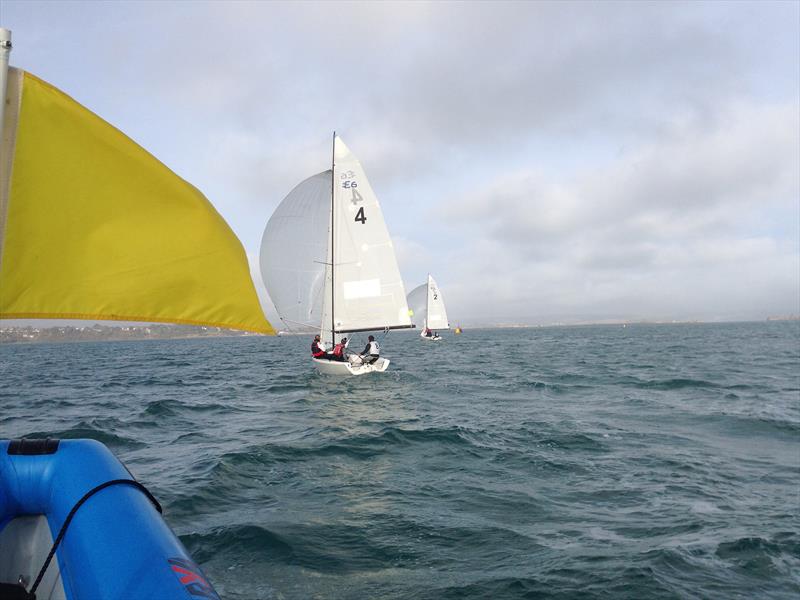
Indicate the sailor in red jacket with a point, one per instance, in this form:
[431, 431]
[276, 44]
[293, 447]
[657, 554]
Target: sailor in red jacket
[339, 351]
[317, 351]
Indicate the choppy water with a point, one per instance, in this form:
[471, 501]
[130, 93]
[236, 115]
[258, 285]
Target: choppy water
[591, 462]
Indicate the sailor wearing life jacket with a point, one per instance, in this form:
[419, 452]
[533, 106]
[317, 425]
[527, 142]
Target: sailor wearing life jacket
[317, 351]
[339, 351]
[371, 351]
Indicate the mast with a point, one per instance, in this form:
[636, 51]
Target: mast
[333, 206]
[427, 300]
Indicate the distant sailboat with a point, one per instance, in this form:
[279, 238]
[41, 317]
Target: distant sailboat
[427, 305]
[329, 263]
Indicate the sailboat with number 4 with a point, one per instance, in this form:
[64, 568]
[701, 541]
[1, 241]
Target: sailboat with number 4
[329, 263]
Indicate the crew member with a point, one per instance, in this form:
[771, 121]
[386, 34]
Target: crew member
[338, 350]
[317, 351]
[371, 351]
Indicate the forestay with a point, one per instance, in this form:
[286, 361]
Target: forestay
[294, 252]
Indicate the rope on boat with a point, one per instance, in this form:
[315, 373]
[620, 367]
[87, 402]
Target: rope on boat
[68, 520]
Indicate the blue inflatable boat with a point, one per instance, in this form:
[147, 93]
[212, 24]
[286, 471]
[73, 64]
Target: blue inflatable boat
[76, 525]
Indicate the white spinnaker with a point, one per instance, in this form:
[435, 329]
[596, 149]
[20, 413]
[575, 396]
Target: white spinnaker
[368, 290]
[418, 304]
[293, 253]
[437, 315]
[329, 338]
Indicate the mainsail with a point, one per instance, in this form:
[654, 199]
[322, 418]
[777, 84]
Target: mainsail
[92, 226]
[427, 304]
[368, 291]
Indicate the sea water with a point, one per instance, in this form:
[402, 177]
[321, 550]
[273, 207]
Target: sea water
[651, 461]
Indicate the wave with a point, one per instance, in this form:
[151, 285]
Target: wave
[348, 547]
[84, 430]
[360, 446]
[162, 408]
[248, 540]
[574, 442]
[332, 548]
[749, 567]
[750, 425]
[676, 384]
[501, 587]
[749, 551]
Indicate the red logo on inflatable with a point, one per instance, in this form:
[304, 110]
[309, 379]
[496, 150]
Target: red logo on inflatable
[190, 575]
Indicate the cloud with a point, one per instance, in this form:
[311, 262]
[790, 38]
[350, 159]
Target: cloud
[414, 257]
[680, 225]
[749, 161]
[541, 159]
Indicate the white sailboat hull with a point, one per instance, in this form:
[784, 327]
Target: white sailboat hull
[434, 338]
[346, 369]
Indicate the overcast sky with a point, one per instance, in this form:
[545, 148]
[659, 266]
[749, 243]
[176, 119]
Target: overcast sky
[546, 162]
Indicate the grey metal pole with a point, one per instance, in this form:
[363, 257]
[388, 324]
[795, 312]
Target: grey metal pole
[5, 51]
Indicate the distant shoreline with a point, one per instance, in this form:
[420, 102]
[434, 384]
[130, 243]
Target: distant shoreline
[92, 333]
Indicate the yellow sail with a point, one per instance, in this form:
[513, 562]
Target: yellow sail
[92, 226]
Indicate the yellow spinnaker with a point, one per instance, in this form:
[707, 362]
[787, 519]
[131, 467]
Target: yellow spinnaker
[95, 227]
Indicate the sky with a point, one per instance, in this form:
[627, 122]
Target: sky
[546, 162]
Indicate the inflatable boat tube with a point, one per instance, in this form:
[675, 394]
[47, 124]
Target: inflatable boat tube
[112, 541]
